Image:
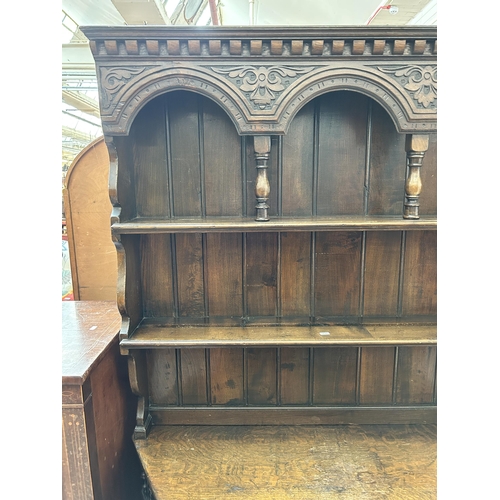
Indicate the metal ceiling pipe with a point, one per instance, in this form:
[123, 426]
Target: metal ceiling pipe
[213, 12]
[251, 4]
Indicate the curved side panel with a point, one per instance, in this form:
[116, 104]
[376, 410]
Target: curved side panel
[120, 287]
[120, 252]
[129, 295]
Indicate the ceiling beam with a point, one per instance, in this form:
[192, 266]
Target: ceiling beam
[142, 11]
[76, 134]
[81, 102]
[77, 57]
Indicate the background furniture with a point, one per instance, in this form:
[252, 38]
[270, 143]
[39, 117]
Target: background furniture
[99, 459]
[87, 208]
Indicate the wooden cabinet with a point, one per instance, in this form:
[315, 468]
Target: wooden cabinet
[274, 211]
[99, 460]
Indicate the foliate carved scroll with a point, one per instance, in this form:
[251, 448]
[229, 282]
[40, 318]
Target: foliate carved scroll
[114, 79]
[421, 81]
[262, 85]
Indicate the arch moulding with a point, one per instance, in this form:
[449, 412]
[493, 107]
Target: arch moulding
[264, 99]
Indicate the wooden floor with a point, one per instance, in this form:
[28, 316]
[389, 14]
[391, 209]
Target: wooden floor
[301, 462]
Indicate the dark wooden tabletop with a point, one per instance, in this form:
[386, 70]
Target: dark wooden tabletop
[89, 329]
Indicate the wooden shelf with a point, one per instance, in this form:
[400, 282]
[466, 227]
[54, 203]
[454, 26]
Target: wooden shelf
[155, 335]
[247, 224]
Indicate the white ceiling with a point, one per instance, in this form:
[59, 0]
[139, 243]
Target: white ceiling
[298, 12]
[237, 12]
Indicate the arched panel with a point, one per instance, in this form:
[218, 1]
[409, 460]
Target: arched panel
[264, 99]
[342, 155]
[401, 104]
[126, 90]
[181, 140]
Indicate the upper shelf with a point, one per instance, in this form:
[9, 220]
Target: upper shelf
[247, 224]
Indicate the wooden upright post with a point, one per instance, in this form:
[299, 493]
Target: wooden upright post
[416, 146]
[262, 149]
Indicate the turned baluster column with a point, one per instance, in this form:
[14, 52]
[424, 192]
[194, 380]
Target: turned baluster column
[416, 146]
[262, 149]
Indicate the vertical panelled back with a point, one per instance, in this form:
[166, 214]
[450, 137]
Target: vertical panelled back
[338, 268]
[341, 153]
[387, 162]
[158, 293]
[420, 274]
[152, 186]
[292, 376]
[382, 265]
[342, 156]
[261, 251]
[224, 275]
[190, 275]
[222, 159]
[185, 157]
[296, 277]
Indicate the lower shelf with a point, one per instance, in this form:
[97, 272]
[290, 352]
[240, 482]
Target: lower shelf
[281, 462]
[157, 335]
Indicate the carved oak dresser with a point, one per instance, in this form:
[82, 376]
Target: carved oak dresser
[274, 213]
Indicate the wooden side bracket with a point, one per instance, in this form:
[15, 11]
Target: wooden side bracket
[139, 385]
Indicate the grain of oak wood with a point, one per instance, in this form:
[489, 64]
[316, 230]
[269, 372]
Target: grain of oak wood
[155, 334]
[280, 462]
[149, 149]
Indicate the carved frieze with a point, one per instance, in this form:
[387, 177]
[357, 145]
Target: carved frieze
[114, 79]
[265, 98]
[263, 84]
[420, 81]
